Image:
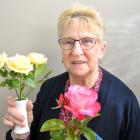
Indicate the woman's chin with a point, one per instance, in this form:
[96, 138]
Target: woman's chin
[78, 73]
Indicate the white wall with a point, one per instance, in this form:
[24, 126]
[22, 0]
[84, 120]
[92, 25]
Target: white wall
[30, 25]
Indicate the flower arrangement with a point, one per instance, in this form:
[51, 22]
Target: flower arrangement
[81, 103]
[22, 73]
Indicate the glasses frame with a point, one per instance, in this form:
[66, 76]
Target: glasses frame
[79, 40]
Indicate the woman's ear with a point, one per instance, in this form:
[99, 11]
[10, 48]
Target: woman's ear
[102, 50]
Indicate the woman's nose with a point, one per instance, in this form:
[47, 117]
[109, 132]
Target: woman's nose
[77, 48]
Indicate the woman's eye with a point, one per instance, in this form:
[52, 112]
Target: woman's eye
[69, 42]
[87, 41]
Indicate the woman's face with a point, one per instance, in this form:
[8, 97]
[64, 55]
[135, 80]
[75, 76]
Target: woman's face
[79, 61]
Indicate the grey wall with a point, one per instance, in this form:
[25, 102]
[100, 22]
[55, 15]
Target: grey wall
[30, 25]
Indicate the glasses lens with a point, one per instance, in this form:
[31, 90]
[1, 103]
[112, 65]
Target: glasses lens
[66, 43]
[88, 43]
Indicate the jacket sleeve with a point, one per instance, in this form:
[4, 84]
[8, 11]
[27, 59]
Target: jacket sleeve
[36, 114]
[8, 135]
[133, 130]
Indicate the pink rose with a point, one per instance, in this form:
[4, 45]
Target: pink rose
[82, 101]
[62, 100]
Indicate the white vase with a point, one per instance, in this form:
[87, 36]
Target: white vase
[21, 106]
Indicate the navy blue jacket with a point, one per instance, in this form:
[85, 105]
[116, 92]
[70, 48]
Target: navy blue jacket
[120, 113]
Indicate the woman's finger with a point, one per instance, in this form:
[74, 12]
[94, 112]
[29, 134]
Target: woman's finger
[8, 123]
[29, 111]
[15, 116]
[11, 102]
[14, 121]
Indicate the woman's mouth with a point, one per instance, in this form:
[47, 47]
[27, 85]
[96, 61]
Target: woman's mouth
[78, 62]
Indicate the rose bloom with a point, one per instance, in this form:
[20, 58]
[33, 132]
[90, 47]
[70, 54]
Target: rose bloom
[3, 58]
[62, 100]
[37, 58]
[82, 101]
[20, 64]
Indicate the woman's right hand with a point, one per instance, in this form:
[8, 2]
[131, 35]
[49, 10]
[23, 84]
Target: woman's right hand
[14, 117]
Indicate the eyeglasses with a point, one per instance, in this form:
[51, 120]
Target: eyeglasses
[85, 43]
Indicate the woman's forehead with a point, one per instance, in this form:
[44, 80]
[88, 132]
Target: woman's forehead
[79, 28]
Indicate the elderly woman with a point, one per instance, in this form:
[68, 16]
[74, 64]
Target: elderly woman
[81, 39]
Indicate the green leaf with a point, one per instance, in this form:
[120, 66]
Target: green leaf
[13, 74]
[86, 120]
[65, 133]
[40, 82]
[58, 134]
[73, 137]
[88, 133]
[70, 134]
[2, 84]
[97, 115]
[77, 138]
[52, 124]
[45, 77]
[30, 75]
[40, 69]
[76, 123]
[14, 84]
[31, 83]
[3, 73]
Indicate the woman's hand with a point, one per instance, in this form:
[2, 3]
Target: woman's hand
[14, 117]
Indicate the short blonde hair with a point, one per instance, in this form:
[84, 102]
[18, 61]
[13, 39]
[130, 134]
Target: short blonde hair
[90, 15]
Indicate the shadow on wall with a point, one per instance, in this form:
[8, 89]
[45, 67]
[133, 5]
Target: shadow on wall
[123, 54]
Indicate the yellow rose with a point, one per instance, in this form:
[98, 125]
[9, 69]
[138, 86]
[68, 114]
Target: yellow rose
[3, 58]
[37, 58]
[20, 64]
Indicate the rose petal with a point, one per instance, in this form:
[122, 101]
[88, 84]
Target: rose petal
[91, 111]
